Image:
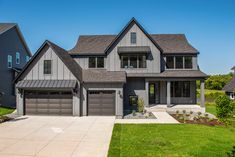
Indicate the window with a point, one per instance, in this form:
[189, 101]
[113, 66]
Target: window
[92, 62]
[100, 62]
[180, 89]
[17, 58]
[27, 58]
[96, 62]
[9, 61]
[124, 61]
[188, 62]
[179, 62]
[170, 62]
[47, 67]
[133, 37]
[133, 61]
[133, 99]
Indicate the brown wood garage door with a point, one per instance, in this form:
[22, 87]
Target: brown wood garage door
[101, 103]
[48, 103]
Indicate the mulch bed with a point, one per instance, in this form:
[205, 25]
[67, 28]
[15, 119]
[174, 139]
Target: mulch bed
[202, 120]
[4, 119]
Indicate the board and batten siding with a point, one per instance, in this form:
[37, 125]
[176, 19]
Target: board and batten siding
[153, 61]
[59, 69]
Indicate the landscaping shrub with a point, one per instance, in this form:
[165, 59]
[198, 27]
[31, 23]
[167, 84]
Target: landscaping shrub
[224, 108]
[140, 105]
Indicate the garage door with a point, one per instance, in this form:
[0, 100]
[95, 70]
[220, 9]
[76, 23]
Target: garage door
[101, 103]
[48, 103]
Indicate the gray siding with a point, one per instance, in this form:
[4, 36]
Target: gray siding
[153, 60]
[134, 86]
[59, 69]
[10, 43]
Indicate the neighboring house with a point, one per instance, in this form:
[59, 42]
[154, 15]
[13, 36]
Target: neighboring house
[230, 87]
[107, 74]
[14, 54]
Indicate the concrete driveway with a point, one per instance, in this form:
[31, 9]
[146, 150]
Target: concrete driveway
[43, 136]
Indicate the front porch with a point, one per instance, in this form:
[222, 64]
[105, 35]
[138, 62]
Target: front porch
[173, 95]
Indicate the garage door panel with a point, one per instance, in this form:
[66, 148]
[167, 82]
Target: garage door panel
[46, 104]
[101, 103]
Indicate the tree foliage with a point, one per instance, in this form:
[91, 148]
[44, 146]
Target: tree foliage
[216, 82]
[224, 108]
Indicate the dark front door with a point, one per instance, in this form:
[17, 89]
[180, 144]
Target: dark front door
[154, 93]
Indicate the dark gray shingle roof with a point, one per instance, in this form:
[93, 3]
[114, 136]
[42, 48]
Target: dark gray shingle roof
[97, 44]
[6, 26]
[103, 76]
[48, 84]
[172, 74]
[230, 87]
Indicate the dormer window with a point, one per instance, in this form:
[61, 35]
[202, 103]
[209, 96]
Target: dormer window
[179, 62]
[133, 37]
[96, 62]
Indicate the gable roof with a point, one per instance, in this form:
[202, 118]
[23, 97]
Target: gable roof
[71, 64]
[230, 87]
[4, 27]
[101, 44]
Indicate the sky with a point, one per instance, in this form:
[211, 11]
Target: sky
[208, 24]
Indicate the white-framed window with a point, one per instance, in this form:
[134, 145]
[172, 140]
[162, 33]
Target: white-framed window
[133, 37]
[27, 58]
[232, 96]
[9, 61]
[17, 58]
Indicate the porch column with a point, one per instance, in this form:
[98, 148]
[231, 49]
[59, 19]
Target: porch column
[147, 93]
[202, 95]
[168, 93]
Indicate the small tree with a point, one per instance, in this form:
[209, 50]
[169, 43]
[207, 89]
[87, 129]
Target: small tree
[140, 105]
[224, 108]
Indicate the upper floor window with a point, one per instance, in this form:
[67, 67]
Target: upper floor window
[179, 62]
[170, 62]
[188, 63]
[133, 37]
[133, 61]
[96, 62]
[9, 61]
[27, 58]
[17, 58]
[47, 67]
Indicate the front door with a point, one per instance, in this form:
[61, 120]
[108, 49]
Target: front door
[154, 93]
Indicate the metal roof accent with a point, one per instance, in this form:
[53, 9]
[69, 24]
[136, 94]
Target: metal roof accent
[46, 84]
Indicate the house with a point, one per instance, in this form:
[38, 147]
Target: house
[14, 54]
[230, 87]
[107, 74]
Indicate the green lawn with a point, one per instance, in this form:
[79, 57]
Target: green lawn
[181, 140]
[4, 110]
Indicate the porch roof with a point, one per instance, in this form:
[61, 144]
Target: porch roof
[171, 74]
